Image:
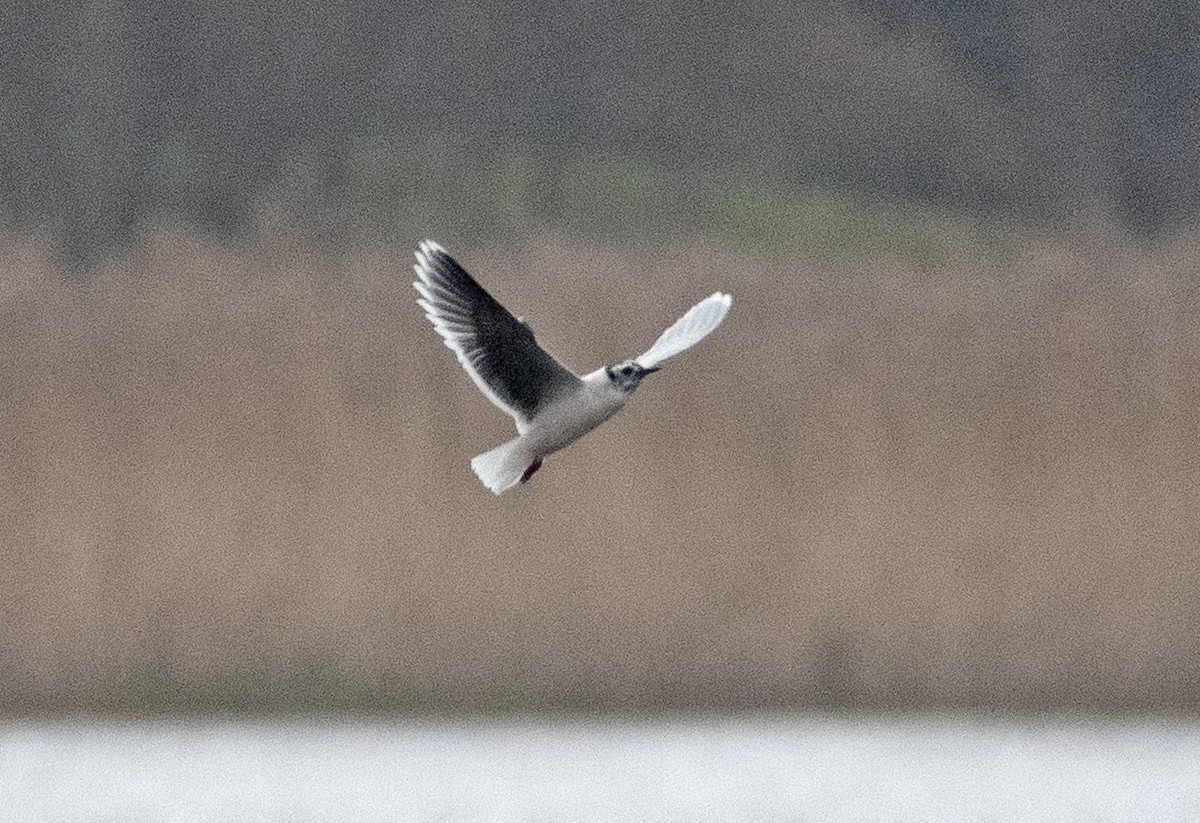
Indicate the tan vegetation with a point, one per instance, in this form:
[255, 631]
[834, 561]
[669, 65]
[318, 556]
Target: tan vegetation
[238, 476]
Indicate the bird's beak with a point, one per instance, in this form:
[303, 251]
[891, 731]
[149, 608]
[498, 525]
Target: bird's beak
[650, 370]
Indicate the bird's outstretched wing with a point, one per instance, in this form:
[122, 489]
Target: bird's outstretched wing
[496, 349]
[688, 330]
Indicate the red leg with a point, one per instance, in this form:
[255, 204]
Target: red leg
[533, 467]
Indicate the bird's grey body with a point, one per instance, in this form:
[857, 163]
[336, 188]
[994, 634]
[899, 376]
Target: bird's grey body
[551, 406]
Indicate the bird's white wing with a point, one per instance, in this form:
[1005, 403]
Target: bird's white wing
[688, 330]
[496, 349]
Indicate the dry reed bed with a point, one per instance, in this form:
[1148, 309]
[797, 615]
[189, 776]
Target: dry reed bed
[237, 476]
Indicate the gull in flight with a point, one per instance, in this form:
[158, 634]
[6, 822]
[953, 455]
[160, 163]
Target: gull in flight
[552, 407]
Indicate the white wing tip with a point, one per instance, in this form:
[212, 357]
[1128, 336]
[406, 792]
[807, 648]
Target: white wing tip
[717, 298]
[697, 323]
[425, 252]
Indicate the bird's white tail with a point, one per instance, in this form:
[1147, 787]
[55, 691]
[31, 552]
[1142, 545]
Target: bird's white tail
[502, 468]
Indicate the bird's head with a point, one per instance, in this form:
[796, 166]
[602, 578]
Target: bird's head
[628, 376]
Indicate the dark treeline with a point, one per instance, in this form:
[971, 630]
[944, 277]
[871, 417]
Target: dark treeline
[117, 111]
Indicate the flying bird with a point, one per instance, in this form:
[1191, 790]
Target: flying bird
[552, 406]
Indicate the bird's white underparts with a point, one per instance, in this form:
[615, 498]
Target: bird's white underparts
[552, 406]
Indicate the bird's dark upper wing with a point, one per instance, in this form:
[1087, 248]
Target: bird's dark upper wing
[497, 350]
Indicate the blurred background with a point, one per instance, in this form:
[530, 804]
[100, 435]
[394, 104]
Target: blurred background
[942, 455]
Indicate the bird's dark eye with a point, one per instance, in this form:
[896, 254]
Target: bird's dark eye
[627, 370]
